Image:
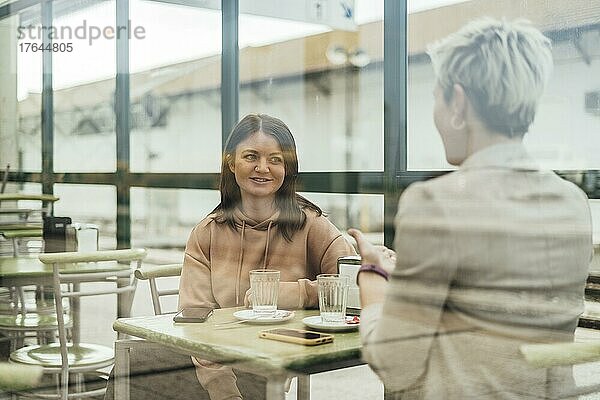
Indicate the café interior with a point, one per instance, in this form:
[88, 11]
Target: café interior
[111, 145]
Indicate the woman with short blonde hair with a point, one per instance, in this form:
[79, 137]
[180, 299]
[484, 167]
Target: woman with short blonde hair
[502, 66]
[488, 257]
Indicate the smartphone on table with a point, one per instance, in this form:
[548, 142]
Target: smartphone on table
[298, 336]
[195, 314]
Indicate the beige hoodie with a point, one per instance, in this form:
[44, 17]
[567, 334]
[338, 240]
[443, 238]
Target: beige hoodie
[218, 260]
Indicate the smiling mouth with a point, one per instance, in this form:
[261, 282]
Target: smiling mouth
[261, 180]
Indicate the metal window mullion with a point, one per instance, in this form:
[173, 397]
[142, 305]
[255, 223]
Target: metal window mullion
[230, 82]
[122, 117]
[47, 112]
[394, 117]
[354, 182]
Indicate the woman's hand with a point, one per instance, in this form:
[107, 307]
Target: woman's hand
[372, 254]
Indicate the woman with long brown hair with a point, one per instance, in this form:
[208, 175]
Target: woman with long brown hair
[261, 222]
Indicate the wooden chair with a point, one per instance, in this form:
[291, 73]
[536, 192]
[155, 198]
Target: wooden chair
[66, 359]
[151, 274]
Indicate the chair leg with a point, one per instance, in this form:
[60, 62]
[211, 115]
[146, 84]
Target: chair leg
[21, 300]
[303, 391]
[57, 382]
[40, 338]
[15, 247]
[17, 341]
[64, 385]
[79, 383]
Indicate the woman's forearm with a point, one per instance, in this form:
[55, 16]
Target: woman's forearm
[372, 288]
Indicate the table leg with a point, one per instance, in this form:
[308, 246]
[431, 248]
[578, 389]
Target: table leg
[303, 387]
[15, 247]
[125, 299]
[76, 314]
[124, 302]
[121, 370]
[276, 387]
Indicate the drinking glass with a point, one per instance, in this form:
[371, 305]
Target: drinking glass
[333, 295]
[264, 285]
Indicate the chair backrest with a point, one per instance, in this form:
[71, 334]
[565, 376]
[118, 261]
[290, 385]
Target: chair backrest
[152, 273]
[47, 200]
[69, 269]
[564, 354]
[18, 225]
[15, 377]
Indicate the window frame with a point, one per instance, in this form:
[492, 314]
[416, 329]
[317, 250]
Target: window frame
[390, 182]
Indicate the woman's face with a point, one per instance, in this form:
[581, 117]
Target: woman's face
[455, 140]
[258, 166]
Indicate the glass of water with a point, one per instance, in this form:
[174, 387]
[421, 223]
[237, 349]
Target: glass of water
[333, 295]
[264, 285]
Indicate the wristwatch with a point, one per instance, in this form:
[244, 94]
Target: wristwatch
[373, 268]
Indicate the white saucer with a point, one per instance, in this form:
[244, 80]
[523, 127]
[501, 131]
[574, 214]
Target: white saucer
[317, 323]
[251, 317]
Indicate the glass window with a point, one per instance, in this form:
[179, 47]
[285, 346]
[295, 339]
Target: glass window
[319, 67]
[32, 245]
[564, 133]
[164, 218]
[83, 74]
[175, 89]
[26, 188]
[20, 93]
[362, 211]
[595, 210]
[100, 208]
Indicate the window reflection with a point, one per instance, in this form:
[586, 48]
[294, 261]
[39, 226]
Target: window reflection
[322, 77]
[563, 133]
[362, 211]
[175, 89]
[100, 208]
[21, 89]
[164, 218]
[84, 85]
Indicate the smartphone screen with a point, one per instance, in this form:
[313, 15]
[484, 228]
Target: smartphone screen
[197, 314]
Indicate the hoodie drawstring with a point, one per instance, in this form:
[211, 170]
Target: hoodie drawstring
[241, 258]
[239, 271]
[267, 244]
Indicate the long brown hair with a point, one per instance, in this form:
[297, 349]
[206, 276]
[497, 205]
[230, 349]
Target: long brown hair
[290, 204]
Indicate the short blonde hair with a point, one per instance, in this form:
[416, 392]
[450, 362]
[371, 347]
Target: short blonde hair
[502, 66]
